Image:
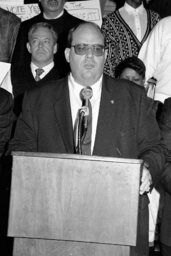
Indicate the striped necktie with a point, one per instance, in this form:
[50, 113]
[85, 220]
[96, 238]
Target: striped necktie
[38, 71]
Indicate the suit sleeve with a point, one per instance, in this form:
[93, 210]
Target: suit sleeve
[150, 148]
[6, 119]
[150, 52]
[165, 127]
[25, 133]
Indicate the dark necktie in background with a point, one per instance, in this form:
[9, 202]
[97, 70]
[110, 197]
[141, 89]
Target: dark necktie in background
[85, 123]
[39, 71]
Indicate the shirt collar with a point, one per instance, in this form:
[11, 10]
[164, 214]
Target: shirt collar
[46, 68]
[76, 87]
[130, 9]
[58, 16]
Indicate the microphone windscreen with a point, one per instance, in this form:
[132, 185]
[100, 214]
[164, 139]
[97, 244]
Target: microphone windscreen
[86, 93]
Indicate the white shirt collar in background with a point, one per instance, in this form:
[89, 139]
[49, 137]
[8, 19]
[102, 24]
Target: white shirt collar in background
[136, 19]
[46, 68]
[58, 16]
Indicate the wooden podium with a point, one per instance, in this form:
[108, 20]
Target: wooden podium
[73, 205]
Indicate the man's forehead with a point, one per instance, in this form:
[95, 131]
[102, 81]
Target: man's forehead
[88, 32]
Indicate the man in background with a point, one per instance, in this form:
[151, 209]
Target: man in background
[155, 53]
[52, 11]
[126, 29]
[42, 46]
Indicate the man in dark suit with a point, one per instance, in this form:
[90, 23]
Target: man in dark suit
[165, 230]
[42, 45]
[6, 121]
[52, 12]
[123, 123]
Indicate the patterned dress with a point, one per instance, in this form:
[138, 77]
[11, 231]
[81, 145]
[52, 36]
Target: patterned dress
[121, 42]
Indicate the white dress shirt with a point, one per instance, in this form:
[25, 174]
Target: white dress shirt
[136, 18]
[76, 103]
[46, 68]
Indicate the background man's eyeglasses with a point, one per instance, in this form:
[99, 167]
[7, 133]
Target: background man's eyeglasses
[82, 49]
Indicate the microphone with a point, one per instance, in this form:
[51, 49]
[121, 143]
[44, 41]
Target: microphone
[85, 94]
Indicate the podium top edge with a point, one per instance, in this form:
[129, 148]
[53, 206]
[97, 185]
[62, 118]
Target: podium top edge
[76, 157]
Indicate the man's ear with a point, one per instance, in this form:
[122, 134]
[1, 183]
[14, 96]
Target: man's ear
[55, 48]
[67, 54]
[28, 47]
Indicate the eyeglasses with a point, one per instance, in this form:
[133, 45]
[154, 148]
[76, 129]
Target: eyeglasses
[82, 49]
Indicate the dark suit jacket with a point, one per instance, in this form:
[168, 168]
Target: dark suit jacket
[126, 128]
[6, 118]
[165, 126]
[24, 81]
[163, 7]
[61, 25]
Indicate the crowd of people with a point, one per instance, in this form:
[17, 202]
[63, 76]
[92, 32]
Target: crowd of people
[123, 67]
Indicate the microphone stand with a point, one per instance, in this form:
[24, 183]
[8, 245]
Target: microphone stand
[81, 132]
[85, 94]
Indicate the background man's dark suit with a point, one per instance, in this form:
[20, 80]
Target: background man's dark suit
[6, 121]
[25, 81]
[165, 126]
[61, 25]
[126, 128]
[6, 118]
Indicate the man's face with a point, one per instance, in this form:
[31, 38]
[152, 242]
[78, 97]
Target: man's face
[87, 68]
[42, 47]
[52, 6]
[134, 3]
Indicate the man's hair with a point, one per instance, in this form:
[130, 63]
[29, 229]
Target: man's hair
[131, 62]
[35, 26]
[72, 30]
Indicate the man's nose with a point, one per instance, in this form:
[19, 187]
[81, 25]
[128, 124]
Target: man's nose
[40, 44]
[89, 52]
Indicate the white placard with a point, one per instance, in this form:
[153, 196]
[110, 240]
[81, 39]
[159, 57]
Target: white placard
[86, 10]
[23, 11]
[16, 2]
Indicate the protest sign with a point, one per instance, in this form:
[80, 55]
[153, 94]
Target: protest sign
[86, 10]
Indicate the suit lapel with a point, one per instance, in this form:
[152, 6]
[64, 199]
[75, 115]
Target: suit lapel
[63, 116]
[107, 127]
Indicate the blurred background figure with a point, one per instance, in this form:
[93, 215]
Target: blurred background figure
[155, 53]
[126, 29]
[42, 46]
[9, 26]
[132, 69]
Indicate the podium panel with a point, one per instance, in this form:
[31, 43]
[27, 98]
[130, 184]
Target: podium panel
[72, 201]
[40, 247]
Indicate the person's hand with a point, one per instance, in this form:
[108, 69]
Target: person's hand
[146, 181]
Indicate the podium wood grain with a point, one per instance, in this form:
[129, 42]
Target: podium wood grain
[73, 203]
